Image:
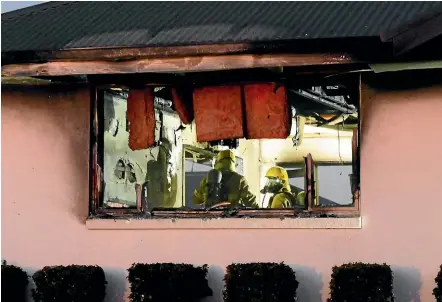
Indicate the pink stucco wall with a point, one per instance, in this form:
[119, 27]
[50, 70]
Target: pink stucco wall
[45, 139]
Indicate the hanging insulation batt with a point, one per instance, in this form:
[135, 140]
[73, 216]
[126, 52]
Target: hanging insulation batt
[268, 114]
[183, 106]
[218, 113]
[141, 117]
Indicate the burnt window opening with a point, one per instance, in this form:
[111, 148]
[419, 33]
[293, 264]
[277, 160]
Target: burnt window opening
[321, 155]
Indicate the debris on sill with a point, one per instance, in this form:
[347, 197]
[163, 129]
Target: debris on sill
[207, 215]
[118, 205]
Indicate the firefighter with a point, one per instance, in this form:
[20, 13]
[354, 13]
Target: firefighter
[234, 184]
[161, 178]
[278, 185]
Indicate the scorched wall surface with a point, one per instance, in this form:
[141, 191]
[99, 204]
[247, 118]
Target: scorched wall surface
[45, 138]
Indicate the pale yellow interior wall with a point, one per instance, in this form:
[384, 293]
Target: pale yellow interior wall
[249, 151]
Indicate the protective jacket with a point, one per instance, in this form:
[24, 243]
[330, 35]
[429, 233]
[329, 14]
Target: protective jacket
[234, 184]
[282, 199]
[236, 187]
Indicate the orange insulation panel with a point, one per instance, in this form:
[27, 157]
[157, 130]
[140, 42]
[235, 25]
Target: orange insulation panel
[268, 114]
[218, 113]
[141, 118]
[182, 106]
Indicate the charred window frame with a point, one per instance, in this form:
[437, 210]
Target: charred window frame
[97, 207]
[311, 181]
[311, 184]
[98, 210]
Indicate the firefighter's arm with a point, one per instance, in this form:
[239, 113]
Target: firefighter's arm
[198, 194]
[247, 197]
[280, 201]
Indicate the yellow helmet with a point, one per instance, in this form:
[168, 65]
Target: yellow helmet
[281, 174]
[278, 172]
[225, 160]
[226, 154]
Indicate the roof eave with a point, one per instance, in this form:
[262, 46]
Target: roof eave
[406, 37]
[355, 45]
[176, 64]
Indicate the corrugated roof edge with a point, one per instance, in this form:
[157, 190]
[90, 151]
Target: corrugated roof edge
[35, 9]
[420, 31]
[420, 19]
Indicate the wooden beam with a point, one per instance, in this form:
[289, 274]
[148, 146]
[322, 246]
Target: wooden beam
[337, 45]
[133, 53]
[175, 65]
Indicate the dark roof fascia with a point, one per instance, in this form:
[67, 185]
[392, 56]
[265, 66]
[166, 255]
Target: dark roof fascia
[408, 36]
[365, 48]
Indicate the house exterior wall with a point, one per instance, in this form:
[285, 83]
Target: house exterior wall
[45, 202]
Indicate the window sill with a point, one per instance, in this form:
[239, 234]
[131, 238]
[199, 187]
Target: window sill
[224, 223]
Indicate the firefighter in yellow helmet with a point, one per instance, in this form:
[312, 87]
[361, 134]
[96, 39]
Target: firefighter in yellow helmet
[234, 185]
[278, 185]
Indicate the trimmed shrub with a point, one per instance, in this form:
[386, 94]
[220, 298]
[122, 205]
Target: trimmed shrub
[161, 282]
[14, 283]
[260, 282]
[360, 282]
[437, 291]
[73, 283]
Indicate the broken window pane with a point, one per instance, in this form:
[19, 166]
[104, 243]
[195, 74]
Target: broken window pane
[333, 185]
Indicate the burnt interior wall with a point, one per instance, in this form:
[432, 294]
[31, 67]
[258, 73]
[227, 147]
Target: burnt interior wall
[160, 167]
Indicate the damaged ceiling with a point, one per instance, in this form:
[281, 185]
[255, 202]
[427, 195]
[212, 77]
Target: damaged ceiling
[236, 107]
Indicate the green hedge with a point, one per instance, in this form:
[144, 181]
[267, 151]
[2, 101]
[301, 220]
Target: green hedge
[14, 283]
[359, 282]
[248, 282]
[260, 282]
[71, 283]
[437, 292]
[169, 282]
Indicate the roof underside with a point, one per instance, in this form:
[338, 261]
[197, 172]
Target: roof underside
[68, 25]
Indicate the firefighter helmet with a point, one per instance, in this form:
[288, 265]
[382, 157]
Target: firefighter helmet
[280, 175]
